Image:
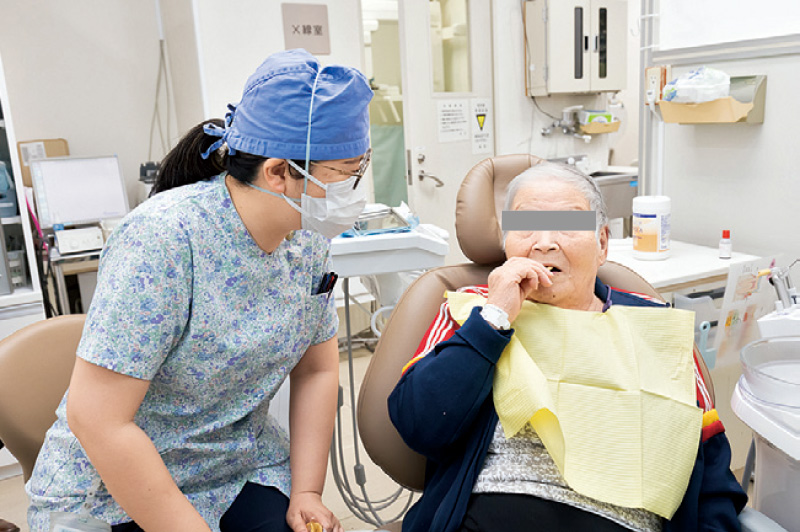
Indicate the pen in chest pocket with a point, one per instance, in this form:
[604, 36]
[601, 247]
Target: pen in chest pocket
[327, 283]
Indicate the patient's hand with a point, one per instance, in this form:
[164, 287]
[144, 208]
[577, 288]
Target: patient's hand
[511, 283]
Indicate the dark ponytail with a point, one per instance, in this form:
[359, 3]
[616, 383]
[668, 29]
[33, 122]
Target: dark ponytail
[184, 165]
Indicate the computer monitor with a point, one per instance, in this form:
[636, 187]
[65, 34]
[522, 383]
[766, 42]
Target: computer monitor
[78, 190]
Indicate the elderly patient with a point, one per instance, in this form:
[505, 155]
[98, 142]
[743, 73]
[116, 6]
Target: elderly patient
[476, 479]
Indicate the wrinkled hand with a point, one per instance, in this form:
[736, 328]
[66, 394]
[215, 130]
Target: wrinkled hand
[512, 282]
[307, 507]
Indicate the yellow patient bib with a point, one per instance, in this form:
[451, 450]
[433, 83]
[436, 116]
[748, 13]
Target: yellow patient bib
[611, 395]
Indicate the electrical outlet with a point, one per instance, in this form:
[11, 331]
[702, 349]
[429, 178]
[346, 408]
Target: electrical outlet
[655, 80]
[654, 83]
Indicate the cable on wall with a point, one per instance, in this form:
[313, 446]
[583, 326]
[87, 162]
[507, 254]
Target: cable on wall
[533, 98]
[164, 131]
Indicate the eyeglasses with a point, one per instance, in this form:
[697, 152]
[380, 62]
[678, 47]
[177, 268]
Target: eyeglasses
[362, 168]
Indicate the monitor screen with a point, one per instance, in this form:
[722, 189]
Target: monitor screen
[75, 190]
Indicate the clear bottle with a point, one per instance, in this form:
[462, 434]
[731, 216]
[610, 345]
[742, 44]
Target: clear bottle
[725, 246]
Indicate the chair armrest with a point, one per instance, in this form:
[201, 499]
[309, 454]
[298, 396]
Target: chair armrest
[754, 521]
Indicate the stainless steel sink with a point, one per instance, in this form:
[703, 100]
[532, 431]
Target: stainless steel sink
[618, 189]
[618, 186]
[606, 174]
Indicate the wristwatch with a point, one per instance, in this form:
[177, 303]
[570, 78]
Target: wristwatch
[496, 317]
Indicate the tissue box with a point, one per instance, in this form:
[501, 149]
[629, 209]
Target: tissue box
[588, 117]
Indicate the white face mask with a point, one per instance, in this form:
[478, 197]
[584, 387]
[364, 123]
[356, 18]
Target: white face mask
[332, 214]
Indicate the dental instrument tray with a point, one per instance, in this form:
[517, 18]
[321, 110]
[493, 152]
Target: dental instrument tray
[379, 221]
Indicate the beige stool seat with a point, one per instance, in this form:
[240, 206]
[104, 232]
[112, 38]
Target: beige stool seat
[35, 368]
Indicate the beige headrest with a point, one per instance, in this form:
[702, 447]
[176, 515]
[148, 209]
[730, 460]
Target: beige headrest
[479, 206]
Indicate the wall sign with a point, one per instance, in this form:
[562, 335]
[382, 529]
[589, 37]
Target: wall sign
[306, 26]
[453, 120]
[482, 127]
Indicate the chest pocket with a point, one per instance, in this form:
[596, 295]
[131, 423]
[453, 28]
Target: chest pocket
[315, 313]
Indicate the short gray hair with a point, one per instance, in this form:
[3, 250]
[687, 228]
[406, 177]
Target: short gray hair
[567, 174]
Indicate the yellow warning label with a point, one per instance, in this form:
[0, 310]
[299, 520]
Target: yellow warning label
[481, 119]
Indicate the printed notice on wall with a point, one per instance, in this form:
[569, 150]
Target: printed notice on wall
[32, 151]
[306, 26]
[482, 127]
[453, 119]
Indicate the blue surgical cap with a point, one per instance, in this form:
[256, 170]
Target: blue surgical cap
[278, 117]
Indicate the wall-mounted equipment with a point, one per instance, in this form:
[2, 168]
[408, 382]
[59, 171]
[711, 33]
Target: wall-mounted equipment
[575, 46]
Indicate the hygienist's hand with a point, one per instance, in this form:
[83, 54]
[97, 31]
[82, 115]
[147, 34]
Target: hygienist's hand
[511, 283]
[306, 507]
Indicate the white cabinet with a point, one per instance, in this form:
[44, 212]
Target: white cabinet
[575, 46]
[21, 298]
[21, 302]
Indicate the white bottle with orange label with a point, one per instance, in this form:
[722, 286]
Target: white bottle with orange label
[651, 227]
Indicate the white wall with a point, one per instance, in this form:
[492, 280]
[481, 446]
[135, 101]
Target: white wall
[687, 23]
[237, 35]
[184, 62]
[737, 176]
[518, 124]
[625, 143]
[84, 70]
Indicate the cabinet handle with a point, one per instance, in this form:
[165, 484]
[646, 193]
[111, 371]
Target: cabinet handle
[586, 42]
[596, 43]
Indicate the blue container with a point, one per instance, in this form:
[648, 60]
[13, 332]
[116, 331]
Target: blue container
[8, 203]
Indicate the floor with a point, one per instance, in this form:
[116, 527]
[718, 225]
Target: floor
[13, 501]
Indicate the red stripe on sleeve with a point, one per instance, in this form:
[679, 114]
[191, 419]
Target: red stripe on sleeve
[442, 328]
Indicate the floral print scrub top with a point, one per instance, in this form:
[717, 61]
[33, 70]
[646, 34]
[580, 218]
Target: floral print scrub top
[187, 300]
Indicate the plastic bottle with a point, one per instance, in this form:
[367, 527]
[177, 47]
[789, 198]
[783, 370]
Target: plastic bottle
[725, 246]
[651, 227]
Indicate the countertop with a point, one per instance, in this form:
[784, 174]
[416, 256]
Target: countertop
[687, 263]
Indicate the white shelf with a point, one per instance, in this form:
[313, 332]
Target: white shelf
[387, 253]
[24, 305]
[21, 296]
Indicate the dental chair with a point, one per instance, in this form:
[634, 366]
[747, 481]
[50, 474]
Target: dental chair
[479, 208]
[35, 367]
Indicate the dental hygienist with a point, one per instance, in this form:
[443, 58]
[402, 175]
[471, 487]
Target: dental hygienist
[209, 295]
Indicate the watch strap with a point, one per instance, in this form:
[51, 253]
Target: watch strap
[496, 317]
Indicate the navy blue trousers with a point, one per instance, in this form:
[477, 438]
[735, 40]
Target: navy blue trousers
[501, 512]
[257, 508]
